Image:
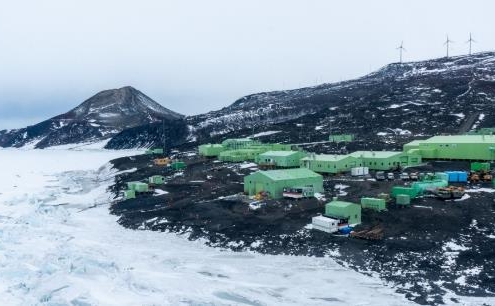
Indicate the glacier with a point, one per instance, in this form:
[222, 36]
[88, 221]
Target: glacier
[60, 246]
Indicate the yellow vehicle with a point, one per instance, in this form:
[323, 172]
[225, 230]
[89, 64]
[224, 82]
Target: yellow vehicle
[162, 161]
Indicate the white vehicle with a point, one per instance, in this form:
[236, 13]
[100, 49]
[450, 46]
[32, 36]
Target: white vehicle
[390, 176]
[404, 176]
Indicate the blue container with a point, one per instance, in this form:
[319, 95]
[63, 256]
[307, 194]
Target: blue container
[453, 176]
[345, 230]
[462, 176]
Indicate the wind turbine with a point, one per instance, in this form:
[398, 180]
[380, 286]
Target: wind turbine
[447, 43]
[401, 48]
[470, 41]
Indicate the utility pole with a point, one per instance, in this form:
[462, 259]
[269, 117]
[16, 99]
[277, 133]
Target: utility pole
[401, 48]
[447, 43]
[470, 41]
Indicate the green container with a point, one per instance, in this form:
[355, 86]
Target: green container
[423, 186]
[411, 192]
[131, 185]
[373, 203]
[129, 194]
[156, 179]
[403, 199]
[442, 176]
[154, 151]
[178, 165]
[477, 166]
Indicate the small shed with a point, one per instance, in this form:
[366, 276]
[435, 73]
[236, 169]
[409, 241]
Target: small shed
[326, 163]
[283, 159]
[210, 150]
[274, 181]
[344, 211]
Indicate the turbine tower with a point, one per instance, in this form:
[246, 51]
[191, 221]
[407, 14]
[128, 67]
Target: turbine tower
[470, 41]
[447, 43]
[401, 48]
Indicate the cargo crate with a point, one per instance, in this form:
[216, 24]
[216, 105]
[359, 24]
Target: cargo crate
[403, 199]
[373, 203]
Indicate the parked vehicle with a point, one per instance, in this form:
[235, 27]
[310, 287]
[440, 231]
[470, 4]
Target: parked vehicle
[380, 176]
[390, 176]
[414, 176]
[404, 176]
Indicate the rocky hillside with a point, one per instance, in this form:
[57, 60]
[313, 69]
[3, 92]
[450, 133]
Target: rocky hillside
[100, 117]
[383, 109]
[401, 100]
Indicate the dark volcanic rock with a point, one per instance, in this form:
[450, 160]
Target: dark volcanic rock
[105, 114]
[171, 134]
[445, 95]
[431, 248]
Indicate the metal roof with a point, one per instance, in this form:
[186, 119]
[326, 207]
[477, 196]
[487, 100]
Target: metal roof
[289, 174]
[375, 154]
[461, 139]
[326, 157]
[279, 153]
[341, 204]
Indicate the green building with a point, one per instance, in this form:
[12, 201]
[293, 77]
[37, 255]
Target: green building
[238, 143]
[386, 160]
[283, 159]
[240, 155]
[344, 211]
[274, 181]
[211, 150]
[341, 138]
[464, 147]
[324, 163]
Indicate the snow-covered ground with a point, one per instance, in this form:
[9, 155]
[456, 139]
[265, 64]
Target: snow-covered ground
[59, 246]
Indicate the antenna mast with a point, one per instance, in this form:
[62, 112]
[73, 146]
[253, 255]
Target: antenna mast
[447, 43]
[470, 41]
[401, 48]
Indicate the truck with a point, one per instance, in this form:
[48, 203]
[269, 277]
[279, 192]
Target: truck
[380, 176]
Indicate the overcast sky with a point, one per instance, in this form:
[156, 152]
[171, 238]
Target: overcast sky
[196, 56]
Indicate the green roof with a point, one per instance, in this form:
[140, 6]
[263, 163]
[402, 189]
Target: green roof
[375, 154]
[461, 139]
[238, 140]
[210, 145]
[326, 157]
[414, 143]
[289, 174]
[341, 204]
[279, 153]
